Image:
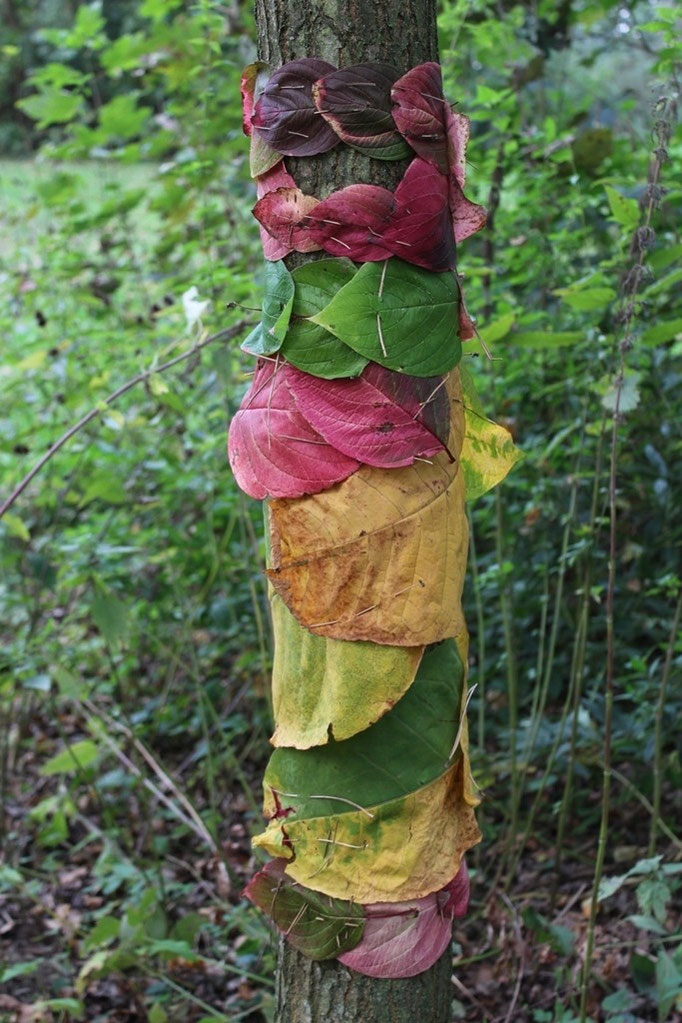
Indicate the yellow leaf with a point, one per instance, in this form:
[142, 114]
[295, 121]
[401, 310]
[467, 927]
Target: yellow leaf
[327, 687]
[381, 556]
[488, 451]
[401, 849]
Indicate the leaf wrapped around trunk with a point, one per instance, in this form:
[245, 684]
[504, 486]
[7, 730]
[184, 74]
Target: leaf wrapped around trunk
[356, 102]
[403, 939]
[308, 345]
[400, 316]
[285, 115]
[380, 817]
[278, 301]
[325, 689]
[381, 418]
[319, 927]
[488, 452]
[381, 556]
[273, 450]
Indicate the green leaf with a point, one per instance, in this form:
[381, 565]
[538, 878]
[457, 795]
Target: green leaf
[111, 617]
[668, 984]
[331, 688]
[16, 526]
[624, 211]
[647, 923]
[628, 398]
[19, 970]
[278, 301]
[498, 329]
[661, 332]
[76, 756]
[104, 932]
[308, 345]
[318, 926]
[399, 316]
[261, 156]
[51, 106]
[540, 339]
[121, 118]
[104, 487]
[387, 760]
[588, 299]
[608, 886]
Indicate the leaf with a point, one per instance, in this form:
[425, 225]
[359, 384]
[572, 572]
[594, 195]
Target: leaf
[351, 222]
[329, 688]
[316, 925]
[380, 817]
[254, 79]
[488, 452]
[668, 984]
[624, 211]
[278, 301]
[283, 214]
[273, 450]
[402, 939]
[356, 102]
[111, 617]
[625, 396]
[540, 339]
[274, 178]
[381, 418]
[379, 557]
[420, 111]
[660, 332]
[398, 315]
[75, 757]
[420, 230]
[498, 329]
[467, 217]
[285, 116]
[51, 106]
[458, 128]
[308, 345]
[587, 299]
[16, 526]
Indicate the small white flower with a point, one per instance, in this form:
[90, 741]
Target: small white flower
[193, 307]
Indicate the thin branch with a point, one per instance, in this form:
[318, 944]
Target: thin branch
[222, 335]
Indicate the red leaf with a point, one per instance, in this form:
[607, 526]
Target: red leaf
[277, 177]
[351, 222]
[282, 213]
[467, 216]
[458, 136]
[420, 113]
[420, 231]
[382, 418]
[467, 330]
[273, 451]
[356, 102]
[402, 939]
[285, 115]
[253, 80]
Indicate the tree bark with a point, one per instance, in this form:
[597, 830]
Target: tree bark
[344, 32]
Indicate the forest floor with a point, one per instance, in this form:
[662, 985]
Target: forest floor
[193, 950]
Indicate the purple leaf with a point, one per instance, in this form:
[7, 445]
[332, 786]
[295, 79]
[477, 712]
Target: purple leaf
[351, 222]
[402, 939]
[382, 418]
[420, 231]
[356, 102]
[420, 113]
[283, 214]
[285, 116]
[273, 451]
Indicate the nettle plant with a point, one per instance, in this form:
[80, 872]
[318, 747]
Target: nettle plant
[366, 437]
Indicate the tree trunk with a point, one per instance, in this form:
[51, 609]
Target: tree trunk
[345, 32]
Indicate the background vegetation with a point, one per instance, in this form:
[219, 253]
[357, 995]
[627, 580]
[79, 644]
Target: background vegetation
[135, 638]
